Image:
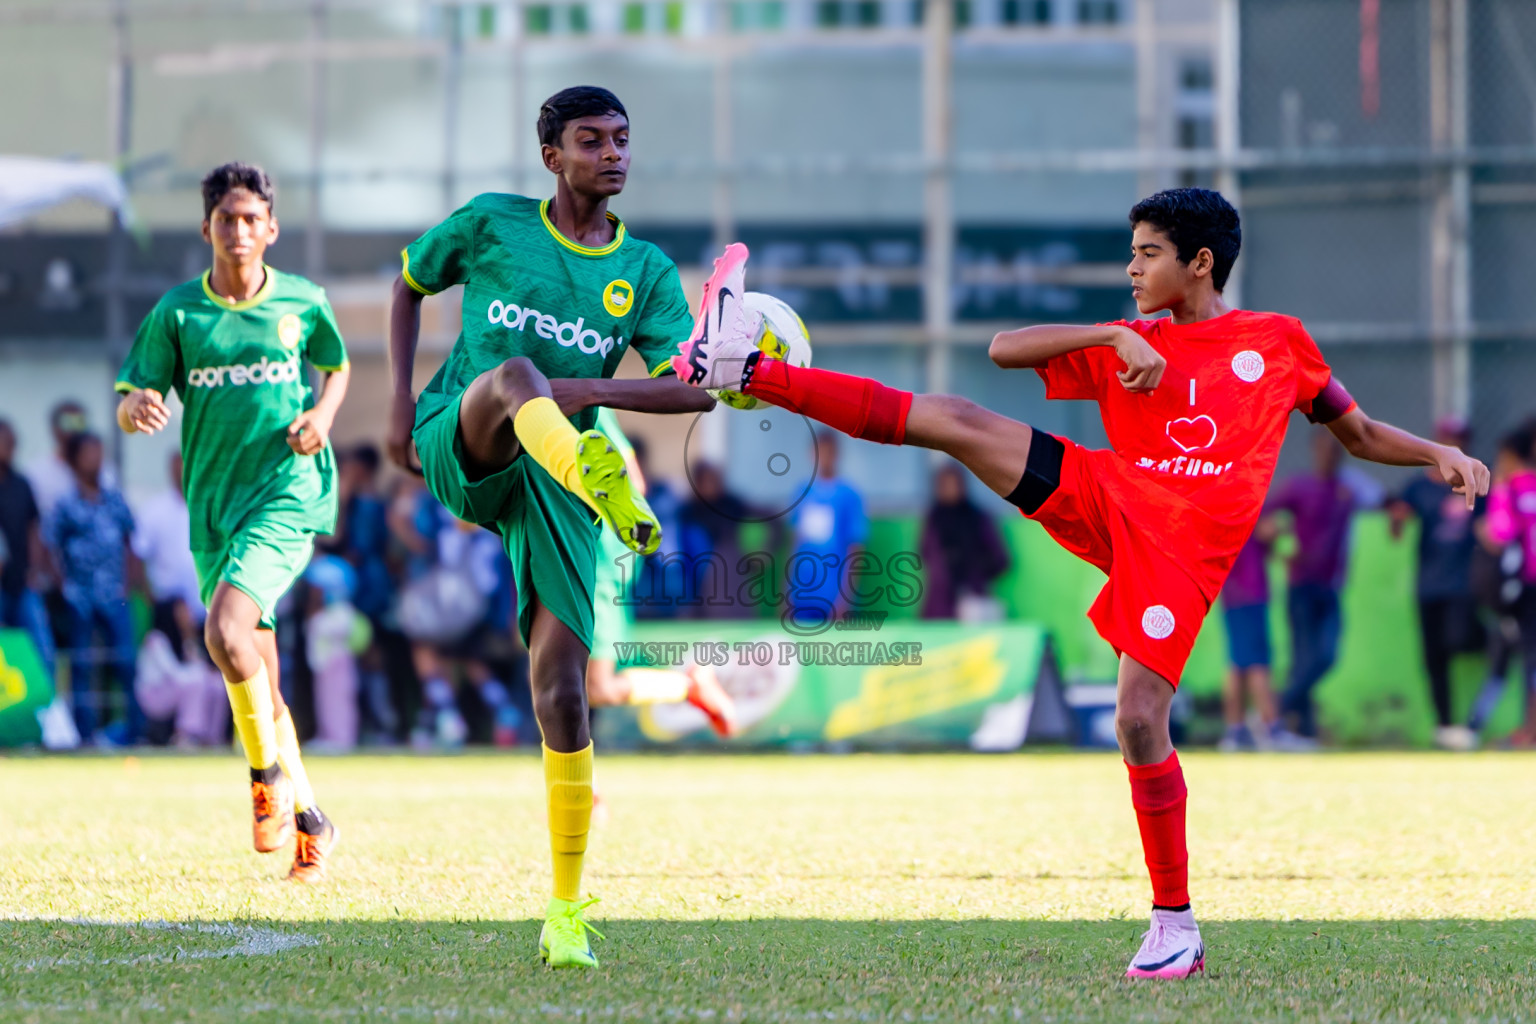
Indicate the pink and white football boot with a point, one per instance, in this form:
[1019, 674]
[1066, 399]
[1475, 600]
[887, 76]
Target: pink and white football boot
[725, 333]
[1171, 949]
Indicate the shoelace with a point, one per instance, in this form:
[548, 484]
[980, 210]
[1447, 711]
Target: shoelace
[262, 801]
[1159, 935]
[572, 914]
[308, 850]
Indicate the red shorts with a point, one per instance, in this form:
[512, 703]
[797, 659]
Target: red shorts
[1153, 605]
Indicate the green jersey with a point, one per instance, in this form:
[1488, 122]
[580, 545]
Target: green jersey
[237, 367]
[529, 291]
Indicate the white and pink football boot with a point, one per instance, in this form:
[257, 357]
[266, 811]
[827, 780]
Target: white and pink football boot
[1171, 949]
[725, 333]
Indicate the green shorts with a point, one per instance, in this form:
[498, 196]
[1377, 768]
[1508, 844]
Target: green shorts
[610, 618]
[261, 559]
[549, 534]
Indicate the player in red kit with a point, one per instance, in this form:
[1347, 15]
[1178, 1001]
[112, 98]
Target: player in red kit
[1195, 406]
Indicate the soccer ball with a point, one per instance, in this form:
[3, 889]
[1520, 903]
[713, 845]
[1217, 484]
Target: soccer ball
[782, 336]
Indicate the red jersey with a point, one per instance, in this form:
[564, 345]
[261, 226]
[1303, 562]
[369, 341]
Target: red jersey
[1208, 437]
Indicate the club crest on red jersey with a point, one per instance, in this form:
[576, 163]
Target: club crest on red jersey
[1248, 365]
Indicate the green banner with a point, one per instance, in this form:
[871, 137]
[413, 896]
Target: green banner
[908, 684]
[24, 688]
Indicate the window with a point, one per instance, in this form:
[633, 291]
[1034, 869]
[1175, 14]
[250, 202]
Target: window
[1098, 12]
[1195, 110]
[538, 19]
[757, 15]
[962, 12]
[1026, 12]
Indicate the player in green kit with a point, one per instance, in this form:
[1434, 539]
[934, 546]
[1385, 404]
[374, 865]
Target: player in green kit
[259, 474]
[554, 293]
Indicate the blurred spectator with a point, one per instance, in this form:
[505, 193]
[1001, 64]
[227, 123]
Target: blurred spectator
[176, 680]
[830, 527]
[667, 504]
[1448, 623]
[89, 532]
[1512, 523]
[162, 540]
[1245, 612]
[962, 553]
[1497, 571]
[362, 530]
[707, 584]
[26, 561]
[451, 611]
[414, 519]
[362, 538]
[335, 633]
[1322, 505]
[51, 475]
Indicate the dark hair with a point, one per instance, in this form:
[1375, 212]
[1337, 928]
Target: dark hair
[1521, 442]
[59, 411]
[567, 105]
[367, 456]
[76, 443]
[1195, 219]
[227, 178]
[163, 619]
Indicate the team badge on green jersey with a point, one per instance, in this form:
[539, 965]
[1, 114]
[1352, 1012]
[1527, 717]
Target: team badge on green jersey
[618, 297]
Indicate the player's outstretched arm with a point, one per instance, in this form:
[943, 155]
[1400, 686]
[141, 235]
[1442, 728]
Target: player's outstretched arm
[1030, 347]
[142, 411]
[1374, 441]
[657, 395]
[404, 329]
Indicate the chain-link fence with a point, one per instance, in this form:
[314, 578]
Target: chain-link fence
[1395, 153]
[911, 175]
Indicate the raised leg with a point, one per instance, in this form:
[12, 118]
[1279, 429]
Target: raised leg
[489, 409]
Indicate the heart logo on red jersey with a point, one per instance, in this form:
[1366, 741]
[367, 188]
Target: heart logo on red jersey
[1192, 434]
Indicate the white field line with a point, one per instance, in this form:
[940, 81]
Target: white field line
[250, 941]
[264, 1011]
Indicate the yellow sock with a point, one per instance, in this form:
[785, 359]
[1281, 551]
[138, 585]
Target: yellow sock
[655, 685]
[550, 440]
[293, 765]
[568, 784]
[251, 701]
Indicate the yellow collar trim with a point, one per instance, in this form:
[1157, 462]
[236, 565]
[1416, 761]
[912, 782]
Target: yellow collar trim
[250, 303]
[585, 250]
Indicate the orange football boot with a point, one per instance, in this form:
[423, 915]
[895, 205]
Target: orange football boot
[310, 853]
[271, 813]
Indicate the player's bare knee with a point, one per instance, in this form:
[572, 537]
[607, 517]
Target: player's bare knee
[1136, 730]
[224, 635]
[516, 379]
[563, 702]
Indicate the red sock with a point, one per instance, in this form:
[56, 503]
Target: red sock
[857, 406]
[1158, 794]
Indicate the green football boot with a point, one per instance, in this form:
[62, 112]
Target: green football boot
[563, 940]
[605, 479]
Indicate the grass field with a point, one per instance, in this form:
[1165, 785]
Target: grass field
[1391, 887]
